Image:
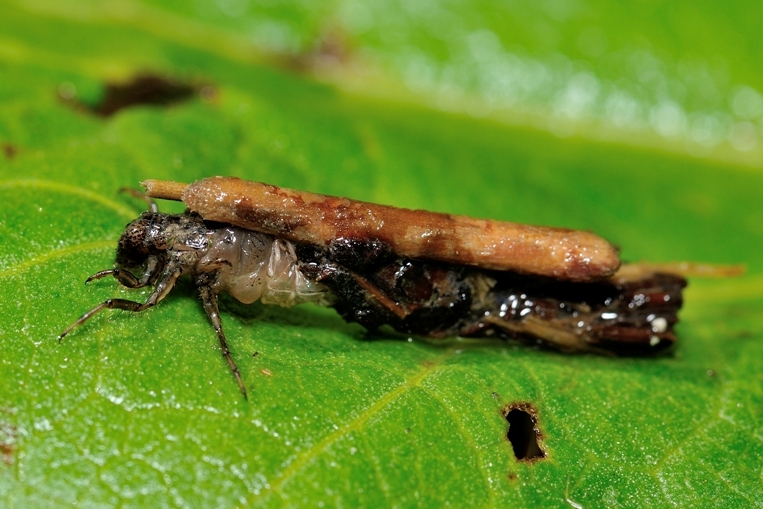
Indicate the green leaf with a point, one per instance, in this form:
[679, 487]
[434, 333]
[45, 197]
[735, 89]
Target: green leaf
[142, 411]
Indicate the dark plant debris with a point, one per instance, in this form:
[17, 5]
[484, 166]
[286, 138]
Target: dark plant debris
[8, 434]
[524, 435]
[142, 90]
[9, 150]
[332, 49]
[6, 452]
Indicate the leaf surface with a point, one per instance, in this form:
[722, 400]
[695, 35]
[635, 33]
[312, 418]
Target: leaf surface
[141, 410]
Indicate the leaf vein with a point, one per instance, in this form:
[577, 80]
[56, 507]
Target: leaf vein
[301, 461]
[67, 189]
[50, 255]
[470, 440]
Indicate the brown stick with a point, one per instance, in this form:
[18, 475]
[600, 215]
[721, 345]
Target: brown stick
[318, 219]
[164, 189]
[641, 270]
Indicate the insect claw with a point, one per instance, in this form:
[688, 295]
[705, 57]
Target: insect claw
[101, 274]
[69, 329]
[79, 321]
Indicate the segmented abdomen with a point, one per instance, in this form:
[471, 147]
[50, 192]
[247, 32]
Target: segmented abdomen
[254, 266]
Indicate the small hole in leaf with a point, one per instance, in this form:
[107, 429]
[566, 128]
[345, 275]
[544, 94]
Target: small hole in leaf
[523, 434]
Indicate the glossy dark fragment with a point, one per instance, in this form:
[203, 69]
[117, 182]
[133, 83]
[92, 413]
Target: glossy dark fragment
[359, 254]
[412, 297]
[634, 317]
[625, 318]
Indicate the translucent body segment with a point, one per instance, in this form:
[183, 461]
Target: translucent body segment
[253, 266]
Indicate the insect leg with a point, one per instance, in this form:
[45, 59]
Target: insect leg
[209, 299]
[351, 286]
[380, 297]
[162, 289]
[358, 296]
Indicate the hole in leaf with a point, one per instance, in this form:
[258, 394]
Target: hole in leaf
[524, 435]
[145, 89]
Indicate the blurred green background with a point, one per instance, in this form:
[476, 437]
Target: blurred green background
[640, 121]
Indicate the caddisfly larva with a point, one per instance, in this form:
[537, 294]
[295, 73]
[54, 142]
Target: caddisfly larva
[420, 272]
[250, 266]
